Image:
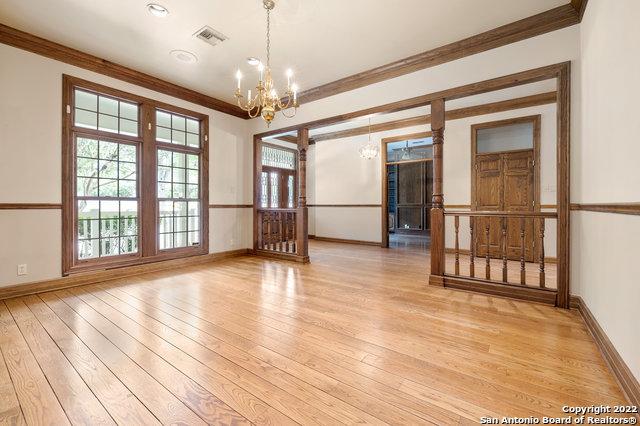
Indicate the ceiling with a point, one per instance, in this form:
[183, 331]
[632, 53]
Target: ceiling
[321, 40]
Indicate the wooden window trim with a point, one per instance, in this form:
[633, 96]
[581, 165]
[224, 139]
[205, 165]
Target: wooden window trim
[147, 179]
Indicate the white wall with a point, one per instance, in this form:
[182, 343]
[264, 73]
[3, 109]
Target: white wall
[604, 165]
[30, 164]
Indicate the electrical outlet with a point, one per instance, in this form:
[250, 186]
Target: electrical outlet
[22, 269]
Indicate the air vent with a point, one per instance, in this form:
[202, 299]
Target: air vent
[209, 35]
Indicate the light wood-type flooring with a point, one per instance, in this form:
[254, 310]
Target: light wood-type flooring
[354, 337]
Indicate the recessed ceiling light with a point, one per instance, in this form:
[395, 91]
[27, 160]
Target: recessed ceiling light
[157, 10]
[184, 56]
[253, 61]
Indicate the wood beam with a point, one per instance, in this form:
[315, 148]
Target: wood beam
[498, 83]
[287, 138]
[455, 114]
[550, 20]
[31, 43]
[579, 6]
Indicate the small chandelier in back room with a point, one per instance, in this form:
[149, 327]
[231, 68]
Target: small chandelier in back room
[266, 101]
[370, 150]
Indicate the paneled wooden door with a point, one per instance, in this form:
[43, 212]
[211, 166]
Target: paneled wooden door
[505, 182]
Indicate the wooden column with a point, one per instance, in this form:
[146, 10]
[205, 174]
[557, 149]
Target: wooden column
[563, 184]
[302, 219]
[257, 175]
[437, 211]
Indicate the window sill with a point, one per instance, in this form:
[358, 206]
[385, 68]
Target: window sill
[134, 261]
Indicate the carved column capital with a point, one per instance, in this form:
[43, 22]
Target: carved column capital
[438, 141]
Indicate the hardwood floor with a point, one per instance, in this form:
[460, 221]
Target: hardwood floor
[354, 337]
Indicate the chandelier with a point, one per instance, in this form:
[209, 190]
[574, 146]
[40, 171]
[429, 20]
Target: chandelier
[266, 101]
[370, 150]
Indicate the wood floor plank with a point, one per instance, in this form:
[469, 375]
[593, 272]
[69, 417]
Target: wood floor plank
[121, 404]
[355, 337]
[79, 403]
[10, 411]
[37, 400]
[164, 405]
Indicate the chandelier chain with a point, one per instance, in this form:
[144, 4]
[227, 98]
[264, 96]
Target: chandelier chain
[268, 37]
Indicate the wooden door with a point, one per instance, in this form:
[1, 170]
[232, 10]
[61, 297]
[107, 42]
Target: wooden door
[413, 197]
[519, 196]
[505, 182]
[278, 188]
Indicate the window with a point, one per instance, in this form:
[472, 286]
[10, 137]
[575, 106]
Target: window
[106, 194]
[508, 137]
[110, 154]
[178, 198]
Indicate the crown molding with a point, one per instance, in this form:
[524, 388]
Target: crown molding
[40, 46]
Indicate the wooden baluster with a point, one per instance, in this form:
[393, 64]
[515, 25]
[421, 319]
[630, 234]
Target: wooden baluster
[272, 223]
[286, 232]
[279, 228]
[488, 259]
[292, 224]
[542, 275]
[268, 215]
[472, 268]
[457, 226]
[294, 233]
[260, 226]
[523, 277]
[265, 229]
[504, 249]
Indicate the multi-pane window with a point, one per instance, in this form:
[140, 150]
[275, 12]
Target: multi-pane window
[277, 157]
[112, 155]
[99, 112]
[178, 195]
[177, 129]
[106, 194]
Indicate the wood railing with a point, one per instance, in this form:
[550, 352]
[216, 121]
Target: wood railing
[277, 230]
[502, 244]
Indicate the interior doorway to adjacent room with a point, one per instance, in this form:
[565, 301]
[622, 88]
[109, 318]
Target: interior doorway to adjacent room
[407, 187]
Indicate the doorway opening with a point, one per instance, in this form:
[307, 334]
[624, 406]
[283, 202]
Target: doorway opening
[407, 187]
